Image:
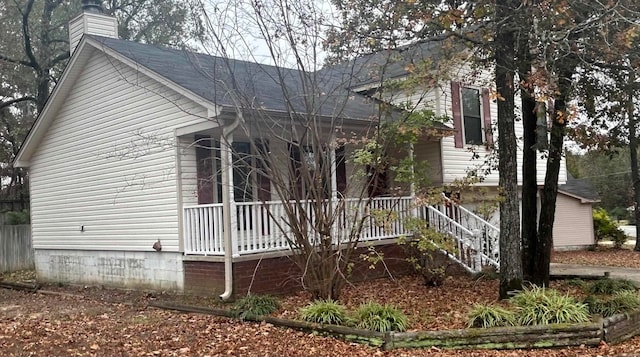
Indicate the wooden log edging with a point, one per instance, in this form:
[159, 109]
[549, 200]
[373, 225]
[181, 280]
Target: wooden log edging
[541, 336]
[589, 334]
[372, 338]
[19, 286]
[621, 327]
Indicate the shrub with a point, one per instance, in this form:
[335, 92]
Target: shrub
[606, 229]
[422, 249]
[324, 312]
[490, 316]
[626, 301]
[600, 306]
[611, 286]
[578, 283]
[17, 217]
[255, 305]
[620, 302]
[488, 272]
[540, 306]
[381, 318]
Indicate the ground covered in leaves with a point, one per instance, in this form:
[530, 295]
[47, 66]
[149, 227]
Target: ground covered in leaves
[604, 256]
[103, 322]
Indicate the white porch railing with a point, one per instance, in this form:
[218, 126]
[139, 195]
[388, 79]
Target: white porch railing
[262, 227]
[203, 230]
[486, 234]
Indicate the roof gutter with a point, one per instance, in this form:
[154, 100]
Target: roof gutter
[227, 135]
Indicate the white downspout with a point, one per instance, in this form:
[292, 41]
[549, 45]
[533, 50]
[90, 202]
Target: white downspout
[226, 161]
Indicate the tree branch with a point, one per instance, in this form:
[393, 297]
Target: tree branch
[13, 60]
[59, 58]
[27, 35]
[16, 100]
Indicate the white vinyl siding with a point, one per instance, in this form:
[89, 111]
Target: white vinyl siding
[106, 164]
[457, 162]
[91, 24]
[573, 224]
[188, 170]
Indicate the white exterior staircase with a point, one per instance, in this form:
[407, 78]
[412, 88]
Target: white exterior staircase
[476, 240]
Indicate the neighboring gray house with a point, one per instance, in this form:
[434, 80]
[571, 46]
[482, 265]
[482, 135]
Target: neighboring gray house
[119, 191]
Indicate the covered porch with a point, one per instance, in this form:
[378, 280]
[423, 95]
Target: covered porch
[230, 206]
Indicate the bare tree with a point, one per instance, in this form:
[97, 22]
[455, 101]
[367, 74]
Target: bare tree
[323, 149]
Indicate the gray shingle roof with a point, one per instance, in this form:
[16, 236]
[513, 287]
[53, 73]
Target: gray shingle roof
[580, 188]
[256, 85]
[389, 64]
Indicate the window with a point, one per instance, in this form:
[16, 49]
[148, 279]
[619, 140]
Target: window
[471, 116]
[471, 108]
[242, 167]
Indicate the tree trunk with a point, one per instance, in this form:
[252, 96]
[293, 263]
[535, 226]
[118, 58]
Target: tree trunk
[529, 185]
[510, 258]
[529, 170]
[633, 153]
[542, 257]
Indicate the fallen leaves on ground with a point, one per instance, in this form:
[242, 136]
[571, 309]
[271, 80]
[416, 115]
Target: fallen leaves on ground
[104, 322]
[77, 321]
[603, 256]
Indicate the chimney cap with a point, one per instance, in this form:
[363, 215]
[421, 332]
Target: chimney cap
[94, 6]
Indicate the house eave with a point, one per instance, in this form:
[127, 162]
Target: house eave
[582, 199]
[21, 163]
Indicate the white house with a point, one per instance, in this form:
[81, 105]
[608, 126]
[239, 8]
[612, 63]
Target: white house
[132, 175]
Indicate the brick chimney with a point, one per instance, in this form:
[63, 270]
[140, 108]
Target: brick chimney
[92, 21]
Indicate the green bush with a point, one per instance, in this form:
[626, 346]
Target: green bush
[626, 301]
[606, 229]
[255, 305]
[422, 249]
[620, 302]
[540, 306]
[324, 312]
[381, 318]
[611, 286]
[600, 306]
[578, 283]
[490, 316]
[17, 217]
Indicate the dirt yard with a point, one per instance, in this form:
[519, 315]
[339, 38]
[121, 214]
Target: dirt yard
[77, 321]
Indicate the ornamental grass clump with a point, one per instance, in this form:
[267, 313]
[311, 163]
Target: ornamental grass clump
[381, 318]
[541, 306]
[257, 305]
[324, 312]
[611, 286]
[618, 303]
[491, 316]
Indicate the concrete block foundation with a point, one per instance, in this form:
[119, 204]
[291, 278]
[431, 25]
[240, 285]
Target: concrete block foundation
[134, 270]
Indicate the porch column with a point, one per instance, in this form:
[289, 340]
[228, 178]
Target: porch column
[334, 189]
[230, 219]
[412, 185]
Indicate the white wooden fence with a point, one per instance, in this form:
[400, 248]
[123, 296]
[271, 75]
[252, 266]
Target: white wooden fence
[16, 251]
